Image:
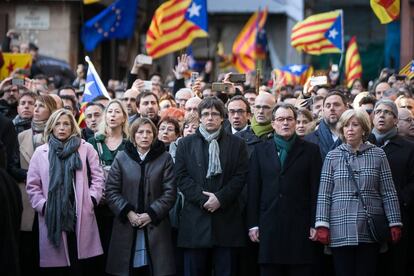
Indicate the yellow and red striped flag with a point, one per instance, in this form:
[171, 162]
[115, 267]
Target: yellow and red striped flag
[319, 34]
[174, 26]
[386, 10]
[293, 74]
[13, 62]
[408, 70]
[244, 47]
[353, 67]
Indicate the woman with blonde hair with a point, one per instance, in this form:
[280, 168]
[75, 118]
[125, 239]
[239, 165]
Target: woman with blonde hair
[357, 207]
[64, 198]
[108, 141]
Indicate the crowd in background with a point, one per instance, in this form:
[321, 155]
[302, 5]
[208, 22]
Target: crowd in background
[181, 175]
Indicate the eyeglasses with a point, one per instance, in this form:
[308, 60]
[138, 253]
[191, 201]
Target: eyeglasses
[369, 111]
[408, 120]
[237, 111]
[283, 119]
[264, 107]
[384, 111]
[212, 114]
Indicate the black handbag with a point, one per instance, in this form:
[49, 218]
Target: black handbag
[377, 224]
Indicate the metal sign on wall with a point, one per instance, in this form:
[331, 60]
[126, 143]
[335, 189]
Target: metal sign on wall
[32, 17]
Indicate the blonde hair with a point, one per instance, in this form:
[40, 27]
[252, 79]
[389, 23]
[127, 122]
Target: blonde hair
[53, 119]
[361, 116]
[103, 126]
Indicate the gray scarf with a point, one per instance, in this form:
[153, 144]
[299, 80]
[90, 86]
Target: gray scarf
[214, 166]
[64, 160]
[381, 138]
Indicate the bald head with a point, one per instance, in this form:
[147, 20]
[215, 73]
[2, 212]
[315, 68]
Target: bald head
[58, 100]
[191, 106]
[264, 104]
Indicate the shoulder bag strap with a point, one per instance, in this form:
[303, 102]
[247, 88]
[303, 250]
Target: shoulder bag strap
[351, 174]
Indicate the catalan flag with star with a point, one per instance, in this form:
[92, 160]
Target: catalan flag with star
[245, 47]
[319, 34]
[175, 24]
[408, 70]
[11, 62]
[353, 67]
[293, 74]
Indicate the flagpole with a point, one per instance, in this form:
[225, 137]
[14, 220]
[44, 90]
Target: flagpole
[341, 60]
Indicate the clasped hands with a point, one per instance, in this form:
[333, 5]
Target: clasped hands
[139, 220]
[212, 203]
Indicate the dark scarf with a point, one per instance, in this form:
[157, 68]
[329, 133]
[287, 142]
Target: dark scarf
[283, 146]
[325, 137]
[21, 124]
[261, 129]
[64, 160]
[381, 138]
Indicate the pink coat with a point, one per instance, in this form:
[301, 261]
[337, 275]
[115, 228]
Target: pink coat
[37, 185]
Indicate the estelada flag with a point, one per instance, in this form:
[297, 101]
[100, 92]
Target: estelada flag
[353, 67]
[13, 62]
[321, 33]
[386, 10]
[293, 74]
[408, 70]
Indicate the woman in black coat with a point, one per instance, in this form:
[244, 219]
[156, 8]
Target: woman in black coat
[141, 190]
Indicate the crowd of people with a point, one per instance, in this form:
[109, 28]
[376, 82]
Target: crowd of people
[180, 177]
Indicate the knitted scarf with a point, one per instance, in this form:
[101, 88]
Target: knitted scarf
[214, 165]
[283, 146]
[381, 138]
[261, 129]
[64, 160]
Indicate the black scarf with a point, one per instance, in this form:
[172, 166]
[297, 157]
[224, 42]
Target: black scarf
[64, 160]
[325, 137]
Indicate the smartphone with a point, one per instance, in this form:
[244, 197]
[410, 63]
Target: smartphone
[144, 59]
[17, 81]
[194, 77]
[237, 78]
[318, 80]
[220, 87]
[148, 86]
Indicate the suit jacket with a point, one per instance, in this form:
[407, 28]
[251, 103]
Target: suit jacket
[199, 228]
[282, 201]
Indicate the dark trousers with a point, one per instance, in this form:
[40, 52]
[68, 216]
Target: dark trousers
[285, 270]
[223, 261]
[360, 260]
[29, 250]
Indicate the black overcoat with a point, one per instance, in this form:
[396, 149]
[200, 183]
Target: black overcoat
[282, 202]
[199, 228]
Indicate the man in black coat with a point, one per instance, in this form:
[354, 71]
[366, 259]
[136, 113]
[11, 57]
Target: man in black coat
[398, 259]
[283, 183]
[211, 167]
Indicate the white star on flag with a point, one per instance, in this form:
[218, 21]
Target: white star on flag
[87, 90]
[194, 10]
[333, 33]
[295, 68]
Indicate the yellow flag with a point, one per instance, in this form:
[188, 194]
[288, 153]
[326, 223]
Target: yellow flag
[386, 10]
[87, 2]
[13, 62]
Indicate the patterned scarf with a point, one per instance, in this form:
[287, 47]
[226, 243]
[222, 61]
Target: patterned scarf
[64, 160]
[214, 165]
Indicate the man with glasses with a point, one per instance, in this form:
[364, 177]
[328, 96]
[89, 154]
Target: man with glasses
[129, 99]
[283, 182]
[400, 155]
[9, 99]
[210, 168]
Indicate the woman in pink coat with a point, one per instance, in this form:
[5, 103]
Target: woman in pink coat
[60, 191]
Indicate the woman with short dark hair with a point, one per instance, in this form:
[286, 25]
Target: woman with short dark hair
[140, 191]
